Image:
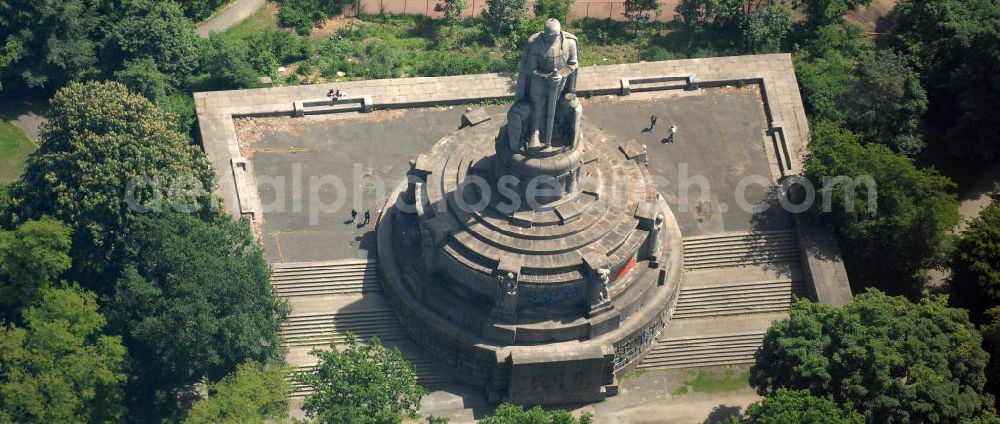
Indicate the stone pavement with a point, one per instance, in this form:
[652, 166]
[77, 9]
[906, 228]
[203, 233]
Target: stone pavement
[774, 74]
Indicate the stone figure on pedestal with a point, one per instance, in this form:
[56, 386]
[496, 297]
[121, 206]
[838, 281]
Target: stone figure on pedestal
[546, 83]
[507, 298]
[599, 292]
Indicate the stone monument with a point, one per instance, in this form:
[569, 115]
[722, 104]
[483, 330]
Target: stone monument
[535, 257]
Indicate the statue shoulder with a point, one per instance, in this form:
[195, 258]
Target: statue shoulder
[569, 36]
[534, 38]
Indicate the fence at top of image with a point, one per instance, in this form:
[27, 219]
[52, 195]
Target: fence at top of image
[581, 9]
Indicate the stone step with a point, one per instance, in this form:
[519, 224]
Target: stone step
[696, 351]
[313, 264]
[735, 245]
[340, 277]
[740, 249]
[738, 235]
[739, 254]
[279, 280]
[320, 273]
[730, 287]
[737, 296]
[725, 312]
[429, 373]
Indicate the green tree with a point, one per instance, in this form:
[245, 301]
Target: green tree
[516, 414]
[635, 9]
[891, 217]
[59, 367]
[106, 153]
[451, 9]
[501, 16]
[193, 301]
[159, 31]
[556, 9]
[765, 27]
[143, 77]
[198, 10]
[886, 102]
[224, 60]
[48, 42]
[361, 383]
[253, 394]
[790, 406]
[955, 47]
[883, 356]
[31, 258]
[758, 29]
[824, 67]
[990, 329]
[826, 12]
[975, 262]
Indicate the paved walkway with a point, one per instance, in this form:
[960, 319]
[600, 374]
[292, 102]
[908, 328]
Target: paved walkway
[232, 14]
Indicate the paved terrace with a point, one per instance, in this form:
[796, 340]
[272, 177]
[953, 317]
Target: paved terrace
[774, 74]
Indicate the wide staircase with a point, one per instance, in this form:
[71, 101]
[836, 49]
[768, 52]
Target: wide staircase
[740, 249]
[351, 276]
[735, 285]
[332, 298]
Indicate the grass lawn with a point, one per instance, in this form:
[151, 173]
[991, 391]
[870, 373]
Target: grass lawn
[14, 150]
[714, 380]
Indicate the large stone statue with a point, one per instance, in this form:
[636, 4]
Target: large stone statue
[599, 290]
[547, 75]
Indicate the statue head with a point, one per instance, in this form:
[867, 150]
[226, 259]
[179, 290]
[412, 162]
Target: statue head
[552, 29]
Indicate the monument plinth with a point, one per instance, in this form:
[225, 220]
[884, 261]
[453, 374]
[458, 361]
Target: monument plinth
[535, 257]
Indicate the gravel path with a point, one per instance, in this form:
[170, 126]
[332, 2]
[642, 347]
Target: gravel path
[234, 12]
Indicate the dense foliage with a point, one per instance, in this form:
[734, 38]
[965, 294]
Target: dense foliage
[975, 263]
[105, 154]
[301, 14]
[891, 217]
[32, 257]
[955, 47]
[361, 383]
[886, 103]
[193, 301]
[516, 414]
[887, 358]
[759, 29]
[790, 406]
[155, 30]
[253, 394]
[59, 367]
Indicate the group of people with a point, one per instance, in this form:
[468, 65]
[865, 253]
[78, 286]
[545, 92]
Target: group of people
[354, 216]
[669, 139]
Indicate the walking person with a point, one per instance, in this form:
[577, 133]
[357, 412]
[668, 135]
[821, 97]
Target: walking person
[368, 218]
[354, 214]
[673, 133]
[652, 121]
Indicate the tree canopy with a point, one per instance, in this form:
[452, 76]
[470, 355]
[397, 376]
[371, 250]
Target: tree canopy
[975, 262]
[516, 414]
[891, 217]
[193, 300]
[155, 30]
[955, 47]
[886, 103]
[252, 394]
[791, 406]
[361, 383]
[32, 256]
[883, 356]
[59, 367]
[105, 154]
